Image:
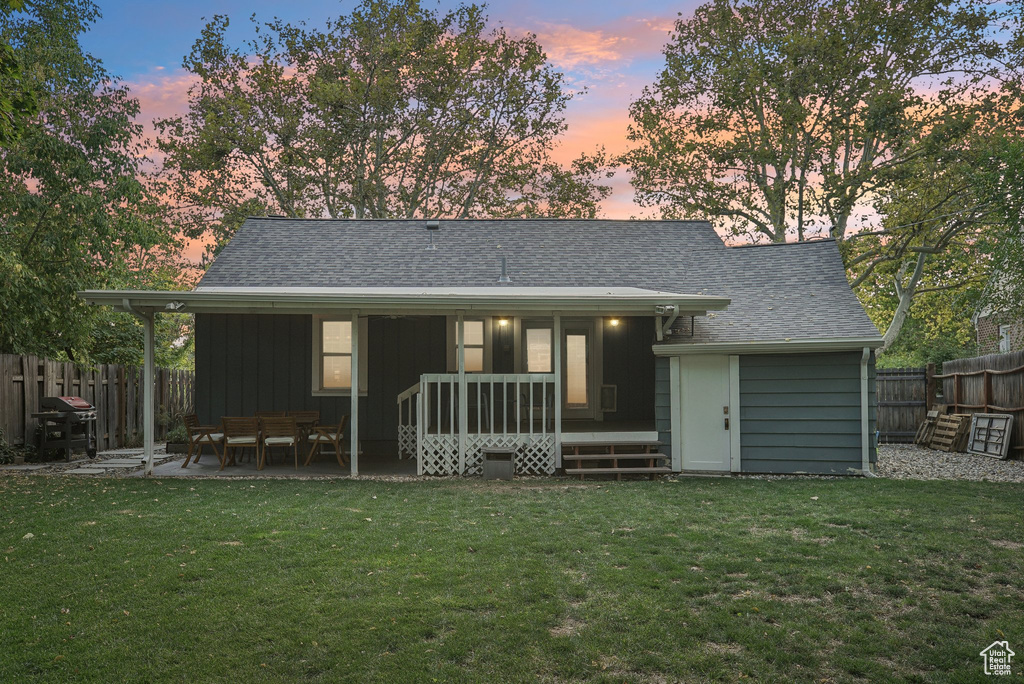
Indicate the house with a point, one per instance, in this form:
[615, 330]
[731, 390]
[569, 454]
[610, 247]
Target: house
[997, 334]
[538, 336]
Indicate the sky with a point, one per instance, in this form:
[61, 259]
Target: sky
[614, 49]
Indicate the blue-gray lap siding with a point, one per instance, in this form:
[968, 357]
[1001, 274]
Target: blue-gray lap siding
[801, 413]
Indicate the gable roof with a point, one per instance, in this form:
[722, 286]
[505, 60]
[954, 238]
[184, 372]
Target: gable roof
[778, 292]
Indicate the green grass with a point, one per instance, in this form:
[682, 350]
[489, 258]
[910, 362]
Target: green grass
[699, 579]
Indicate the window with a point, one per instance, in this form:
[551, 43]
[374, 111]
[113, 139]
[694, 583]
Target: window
[1004, 338]
[538, 350]
[476, 342]
[332, 355]
[473, 342]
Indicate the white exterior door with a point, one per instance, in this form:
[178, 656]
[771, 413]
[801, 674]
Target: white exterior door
[705, 414]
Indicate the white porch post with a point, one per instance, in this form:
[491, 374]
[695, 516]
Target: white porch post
[557, 349]
[463, 390]
[353, 430]
[147, 390]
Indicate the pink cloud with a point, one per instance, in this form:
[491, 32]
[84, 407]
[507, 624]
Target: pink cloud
[570, 47]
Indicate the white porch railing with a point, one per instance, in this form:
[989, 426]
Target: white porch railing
[505, 410]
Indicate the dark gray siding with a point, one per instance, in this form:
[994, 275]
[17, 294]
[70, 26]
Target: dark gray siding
[629, 365]
[663, 403]
[801, 413]
[250, 362]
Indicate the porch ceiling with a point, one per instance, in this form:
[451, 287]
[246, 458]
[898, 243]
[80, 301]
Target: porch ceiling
[409, 300]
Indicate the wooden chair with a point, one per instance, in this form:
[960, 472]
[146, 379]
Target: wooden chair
[328, 434]
[278, 432]
[239, 433]
[200, 436]
[305, 418]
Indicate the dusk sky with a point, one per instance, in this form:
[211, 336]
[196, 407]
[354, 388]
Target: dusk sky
[614, 49]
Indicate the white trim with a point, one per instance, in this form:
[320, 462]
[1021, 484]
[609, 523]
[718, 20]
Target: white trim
[317, 378]
[148, 378]
[460, 341]
[357, 353]
[675, 374]
[734, 412]
[497, 300]
[768, 346]
[556, 351]
[865, 420]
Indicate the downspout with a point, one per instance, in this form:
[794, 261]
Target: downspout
[865, 418]
[147, 381]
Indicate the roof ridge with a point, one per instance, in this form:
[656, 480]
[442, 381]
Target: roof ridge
[782, 244]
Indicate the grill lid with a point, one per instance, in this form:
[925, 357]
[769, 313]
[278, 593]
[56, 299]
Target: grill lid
[65, 404]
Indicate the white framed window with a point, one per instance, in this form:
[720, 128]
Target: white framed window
[537, 347]
[332, 355]
[1004, 338]
[477, 342]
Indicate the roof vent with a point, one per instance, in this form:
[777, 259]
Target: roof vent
[504, 272]
[431, 227]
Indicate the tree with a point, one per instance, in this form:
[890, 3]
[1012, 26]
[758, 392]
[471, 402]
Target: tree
[16, 101]
[778, 117]
[74, 213]
[391, 111]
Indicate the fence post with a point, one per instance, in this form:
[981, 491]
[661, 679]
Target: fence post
[987, 390]
[931, 387]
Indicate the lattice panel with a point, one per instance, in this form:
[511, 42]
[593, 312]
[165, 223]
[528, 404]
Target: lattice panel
[439, 455]
[406, 441]
[535, 454]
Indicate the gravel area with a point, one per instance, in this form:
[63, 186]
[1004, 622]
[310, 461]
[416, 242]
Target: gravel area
[912, 462]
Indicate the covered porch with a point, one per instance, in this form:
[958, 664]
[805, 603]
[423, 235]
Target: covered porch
[441, 374]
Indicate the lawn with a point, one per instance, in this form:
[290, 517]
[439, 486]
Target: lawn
[697, 579]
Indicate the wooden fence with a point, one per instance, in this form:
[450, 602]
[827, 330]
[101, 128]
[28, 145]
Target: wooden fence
[902, 402]
[115, 391]
[987, 384]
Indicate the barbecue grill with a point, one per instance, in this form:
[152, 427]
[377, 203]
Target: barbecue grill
[67, 423]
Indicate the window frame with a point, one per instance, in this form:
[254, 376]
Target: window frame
[1003, 331]
[318, 357]
[453, 343]
[539, 324]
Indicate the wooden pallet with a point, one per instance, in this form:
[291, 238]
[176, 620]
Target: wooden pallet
[927, 429]
[951, 432]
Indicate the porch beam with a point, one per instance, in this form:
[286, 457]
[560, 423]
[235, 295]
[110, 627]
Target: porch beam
[556, 348]
[463, 390]
[353, 431]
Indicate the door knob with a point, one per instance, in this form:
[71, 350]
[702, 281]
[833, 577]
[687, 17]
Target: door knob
[726, 423]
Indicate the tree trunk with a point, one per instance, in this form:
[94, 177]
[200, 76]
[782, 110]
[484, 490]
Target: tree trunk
[906, 295]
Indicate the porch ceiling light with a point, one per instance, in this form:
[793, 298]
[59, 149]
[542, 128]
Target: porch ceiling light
[614, 322]
[503, 322]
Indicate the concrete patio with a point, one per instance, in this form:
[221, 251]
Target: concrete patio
[325, 465]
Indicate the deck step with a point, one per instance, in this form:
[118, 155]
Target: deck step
[611, 442]
[607, 457]
[656, 470]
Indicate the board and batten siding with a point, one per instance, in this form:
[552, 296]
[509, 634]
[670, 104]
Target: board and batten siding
[250, 362]
[801, 413]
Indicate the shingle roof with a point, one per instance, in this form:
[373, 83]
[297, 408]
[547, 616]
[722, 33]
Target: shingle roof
[779, 291]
